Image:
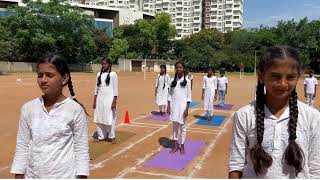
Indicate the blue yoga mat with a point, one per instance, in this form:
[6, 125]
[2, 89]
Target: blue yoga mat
[217, 121]
[193, 104]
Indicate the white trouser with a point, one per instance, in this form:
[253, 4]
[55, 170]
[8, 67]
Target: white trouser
[162, 108]
[103, 130]
[310, 98]
[209, 113]
[183, 131]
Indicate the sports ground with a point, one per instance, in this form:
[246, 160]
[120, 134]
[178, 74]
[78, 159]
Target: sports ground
[140, 151]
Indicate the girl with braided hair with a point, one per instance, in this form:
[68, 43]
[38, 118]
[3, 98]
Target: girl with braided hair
[52, 140]
[161, 90]
[276, 136]
[178, 105]
[105, 102]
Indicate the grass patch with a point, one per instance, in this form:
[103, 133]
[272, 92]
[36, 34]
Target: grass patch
[100, 148]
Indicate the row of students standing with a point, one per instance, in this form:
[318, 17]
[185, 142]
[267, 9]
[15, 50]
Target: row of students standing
[175, 94]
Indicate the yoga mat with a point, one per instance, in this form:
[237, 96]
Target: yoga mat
[165, 160]
[227, 107]
[217, 121]
[194, 104]
[157, 117]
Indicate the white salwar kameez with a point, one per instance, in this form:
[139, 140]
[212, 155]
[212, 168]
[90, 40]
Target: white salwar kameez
[104, 116]
[52, 144]
[275, 142]
[210, 87]
[162, 85]
[178, 99]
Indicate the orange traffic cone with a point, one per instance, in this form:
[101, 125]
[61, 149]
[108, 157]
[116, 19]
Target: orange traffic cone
[127, 119]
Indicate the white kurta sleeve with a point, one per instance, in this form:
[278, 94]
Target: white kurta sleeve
[237, 156]
[215, 83]
[204, 83]
[96, 89]
[305, 81]
[157, 81]
[170, 91]
[189, 98]
[81, 146]
[314, 147]
[21, 157]
[115, 84]
[168, 80]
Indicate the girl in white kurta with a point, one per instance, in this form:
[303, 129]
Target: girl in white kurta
[162, 88]
[209, 93]
[178, 105]
[277, 136]
[105, 99]
[52, 140]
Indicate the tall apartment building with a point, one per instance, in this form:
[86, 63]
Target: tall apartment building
[185, 14]
[224, 15]
[189, 16]
[135, 5]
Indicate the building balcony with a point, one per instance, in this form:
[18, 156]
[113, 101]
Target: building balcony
[228, 25]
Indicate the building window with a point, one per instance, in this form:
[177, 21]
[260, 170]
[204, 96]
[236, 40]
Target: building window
[228, 22]
[235, 17]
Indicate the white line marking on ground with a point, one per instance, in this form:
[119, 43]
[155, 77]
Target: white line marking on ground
[202, 129]
[150, 124]
[122, 124]
[100, 164]
[212, 144]
[138, 125]
[202, 132]
[139, 161]
[161, 174]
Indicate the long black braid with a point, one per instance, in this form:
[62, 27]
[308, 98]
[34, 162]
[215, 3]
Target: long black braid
[260, 159]
[293, 154]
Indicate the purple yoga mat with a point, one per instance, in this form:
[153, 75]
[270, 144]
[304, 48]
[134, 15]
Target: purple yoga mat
[157, 117]
[225, 107]
[165, 160]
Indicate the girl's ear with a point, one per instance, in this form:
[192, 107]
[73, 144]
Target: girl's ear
[65, 79]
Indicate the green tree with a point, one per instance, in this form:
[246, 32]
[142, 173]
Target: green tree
[55, 26]
[164, 32]
[118, 50]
